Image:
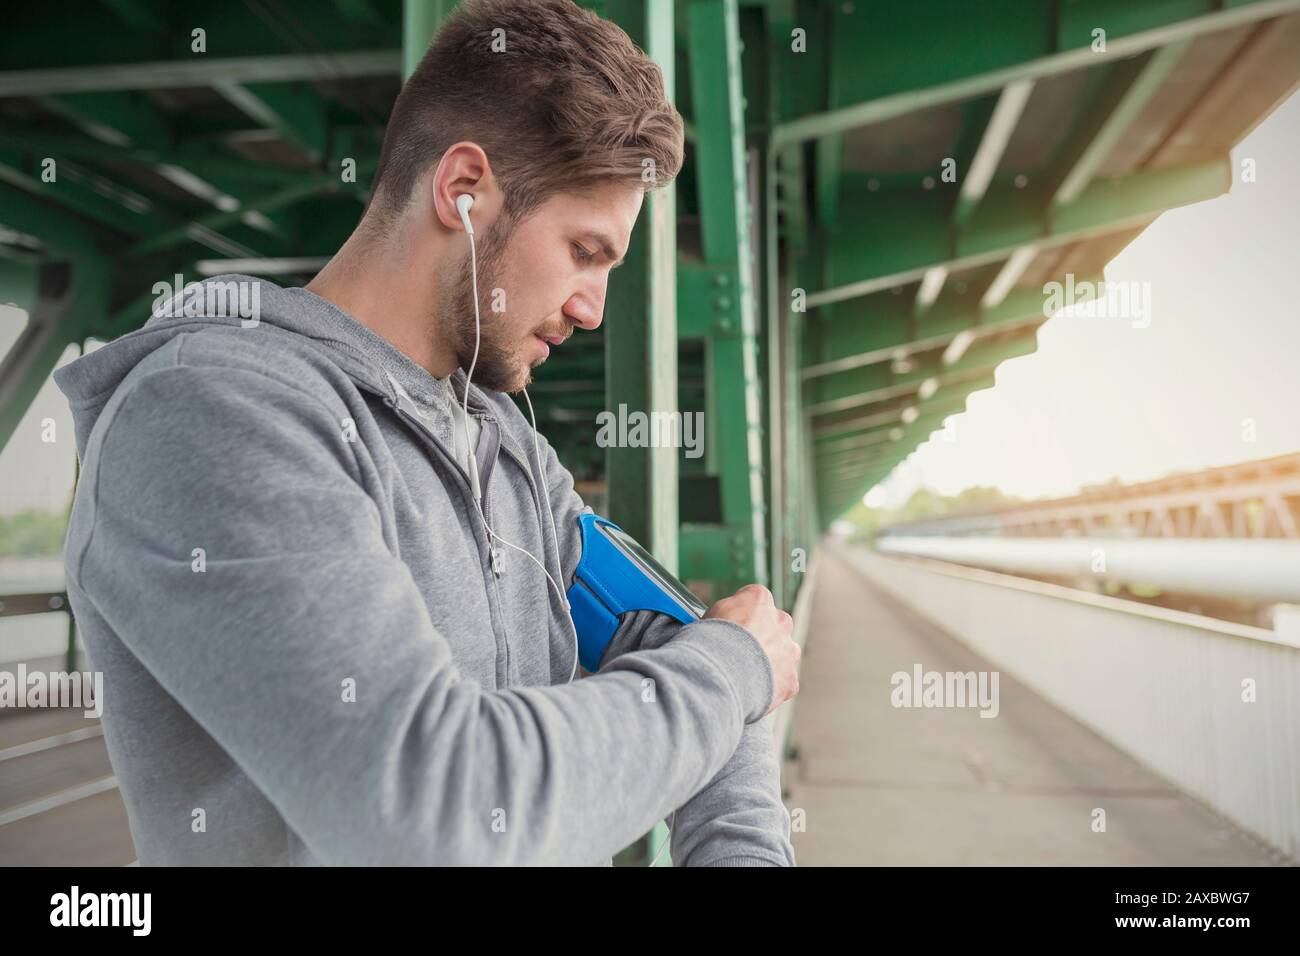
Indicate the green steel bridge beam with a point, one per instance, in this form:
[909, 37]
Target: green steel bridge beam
[993, 143]
[868, 385]
[997, 235]
[359, 11]
[976, 175]
[878, 461]
[126, 123]
[105, 101]
[63, 234]
[735, 422]
[890, 340]
[118, 125]
[61, 298]
[420, 22]
[860, 441]
[1126, 92]
[641, 341]
[783, 194]
[195, 157]
[959, 243]
[898, 441]
[138, 14]
[296, 113]
[902, 413]
[200, 71]
[128, 213]
[896, 423]
[1034, 53]
[114, 118]
[265, 203]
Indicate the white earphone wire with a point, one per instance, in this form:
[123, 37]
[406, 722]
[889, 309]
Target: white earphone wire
[473, 469]
[555, 540]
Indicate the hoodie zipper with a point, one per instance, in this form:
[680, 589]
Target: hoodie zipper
[487, 477]
[494, 596]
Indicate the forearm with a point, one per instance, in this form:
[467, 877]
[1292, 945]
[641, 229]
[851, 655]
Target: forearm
[737, 818]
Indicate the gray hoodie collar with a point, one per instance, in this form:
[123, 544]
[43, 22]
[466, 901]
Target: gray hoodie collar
[377, 362]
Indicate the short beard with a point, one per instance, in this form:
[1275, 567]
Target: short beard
[498, 366]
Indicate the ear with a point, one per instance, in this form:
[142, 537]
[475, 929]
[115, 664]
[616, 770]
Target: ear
[464, 168]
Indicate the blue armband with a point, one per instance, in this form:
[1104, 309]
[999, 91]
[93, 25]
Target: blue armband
[614, 577]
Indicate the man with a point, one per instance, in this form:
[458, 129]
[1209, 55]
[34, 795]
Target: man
[315, 649]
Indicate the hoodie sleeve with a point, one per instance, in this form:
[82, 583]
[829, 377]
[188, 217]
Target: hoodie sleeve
[738, 817]
[239, 555]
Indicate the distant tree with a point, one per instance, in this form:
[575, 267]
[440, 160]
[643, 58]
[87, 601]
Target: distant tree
[32, 533]
[866, 520]
[924, 504]
[979, 497]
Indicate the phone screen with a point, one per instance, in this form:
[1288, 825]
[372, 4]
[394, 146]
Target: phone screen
[654, 570]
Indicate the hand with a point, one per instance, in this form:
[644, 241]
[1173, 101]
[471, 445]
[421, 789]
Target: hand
[753, 609]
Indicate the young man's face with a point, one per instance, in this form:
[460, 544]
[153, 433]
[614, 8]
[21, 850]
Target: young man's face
[540, 283]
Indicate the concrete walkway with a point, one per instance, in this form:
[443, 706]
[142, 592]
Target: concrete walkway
[880, 785]
[59, 804]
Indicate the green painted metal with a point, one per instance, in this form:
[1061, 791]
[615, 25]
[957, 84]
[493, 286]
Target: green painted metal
[294, 111]
[307, 188]
[69, 296]
[858, 422]
[884, 253]
[734, 421]
[641, 338]
[896, 81]
[59, 232]
[420, 21]
[78, 193]
[19, 283]
[861, 387]
[782, 363]
[119, 123]
[890, 441]
[641, 352]
[886, 336]
[198, 71]
[196, 157]
[1127, 91]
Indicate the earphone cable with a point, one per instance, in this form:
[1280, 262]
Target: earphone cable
[494, 537]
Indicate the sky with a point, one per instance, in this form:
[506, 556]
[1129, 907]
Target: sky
[1099, 399]
[35, 473]
[1212, 380]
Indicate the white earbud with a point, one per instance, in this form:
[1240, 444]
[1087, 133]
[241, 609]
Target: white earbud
[463, 203]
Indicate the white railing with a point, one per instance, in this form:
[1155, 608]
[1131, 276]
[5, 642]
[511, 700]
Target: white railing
[1165, 686]
[802, 614]
[1251, 569]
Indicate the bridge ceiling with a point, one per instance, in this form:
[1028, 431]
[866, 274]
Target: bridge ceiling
[918, 284]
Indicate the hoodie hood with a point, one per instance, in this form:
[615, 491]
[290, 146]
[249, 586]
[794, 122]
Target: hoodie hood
[372, 362]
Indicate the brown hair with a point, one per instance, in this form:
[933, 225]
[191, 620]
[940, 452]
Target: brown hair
[558, 98]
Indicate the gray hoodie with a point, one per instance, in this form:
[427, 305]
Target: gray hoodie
[311, 654]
